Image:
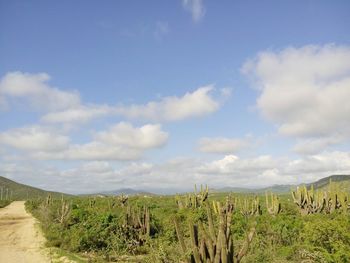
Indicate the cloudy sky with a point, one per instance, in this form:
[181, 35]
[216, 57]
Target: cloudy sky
[160, 95]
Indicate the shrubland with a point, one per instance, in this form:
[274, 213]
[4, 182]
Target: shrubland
[305, 226]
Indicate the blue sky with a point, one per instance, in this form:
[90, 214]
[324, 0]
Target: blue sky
[164, 94]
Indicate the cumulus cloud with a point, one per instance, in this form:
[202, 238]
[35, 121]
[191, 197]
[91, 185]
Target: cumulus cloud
[195, 7]
[34, 138]
[181, 174]
[315, 145]
[96, 167]
[233, 164]
[124, 134]
[34, 89]
[92, 151]
[222, 145]
[305, 91]
[120, 142]
[80, 114]
[198, 103]
[192, 104]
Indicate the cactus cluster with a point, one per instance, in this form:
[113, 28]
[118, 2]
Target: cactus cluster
[123, 199]
[64, 212]
[193, 200]
[209, 244]
[250, 207]
[137, 224]
[230, 204]
[6, 193]
[273, 206]
[328, 201]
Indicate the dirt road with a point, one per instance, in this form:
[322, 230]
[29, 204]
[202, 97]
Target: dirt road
[20, 239]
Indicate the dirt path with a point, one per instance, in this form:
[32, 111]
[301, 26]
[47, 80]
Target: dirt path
[20, 240]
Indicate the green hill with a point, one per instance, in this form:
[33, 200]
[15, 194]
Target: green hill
[342, 181]
[15, 191]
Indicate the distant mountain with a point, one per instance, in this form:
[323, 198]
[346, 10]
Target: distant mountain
[273, 188]
[342, 180]
[125, 191]
[16, 191]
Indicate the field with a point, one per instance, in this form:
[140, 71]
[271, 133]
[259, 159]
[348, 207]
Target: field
[311, 226]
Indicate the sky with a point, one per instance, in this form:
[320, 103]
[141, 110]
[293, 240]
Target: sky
[161, 95]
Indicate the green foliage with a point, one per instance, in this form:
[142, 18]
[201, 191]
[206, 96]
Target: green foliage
[109, 229]
[328, 235]
[4, 203]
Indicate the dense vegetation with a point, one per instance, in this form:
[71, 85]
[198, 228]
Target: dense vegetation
[4, 203]
[10, 190]
[308, 226]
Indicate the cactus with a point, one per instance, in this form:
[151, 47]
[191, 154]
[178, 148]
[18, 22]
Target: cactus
[215, 245]
[274, 206]
[138, 219]
[64, 212]
[92, 202]
[193, 200]
[202, 195]
[311, 202]
[250, 207]
[231, 203]
[123, 199]
[48, 200]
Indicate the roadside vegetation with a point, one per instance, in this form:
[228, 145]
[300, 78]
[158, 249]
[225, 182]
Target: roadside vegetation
[305, 226]
[4, 203]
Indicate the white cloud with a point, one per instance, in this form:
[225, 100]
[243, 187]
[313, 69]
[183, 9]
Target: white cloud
[81, 114]
[324, 163]
[91, 151]
[34, 89]
[195, 7]
[124, 134]
[198, 103]
[305, 91]
[195, 104]
[121, 142]
[182, 173]
[34, 138]
[222, 145]
[316, 145]
[136, 169]
[232, 164]
[97, 167]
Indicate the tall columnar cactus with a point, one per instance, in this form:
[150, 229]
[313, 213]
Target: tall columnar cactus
[230, 203]
[202, 195]
[250, 207]
[273, 206]
[139, 220]
[123, 199]
[328, 201]
[48, 200]
[209, 244]
[64, 212]
[92, 202]
[193, 200]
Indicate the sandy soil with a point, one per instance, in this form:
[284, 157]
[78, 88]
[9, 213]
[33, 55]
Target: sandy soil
[20, 238]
